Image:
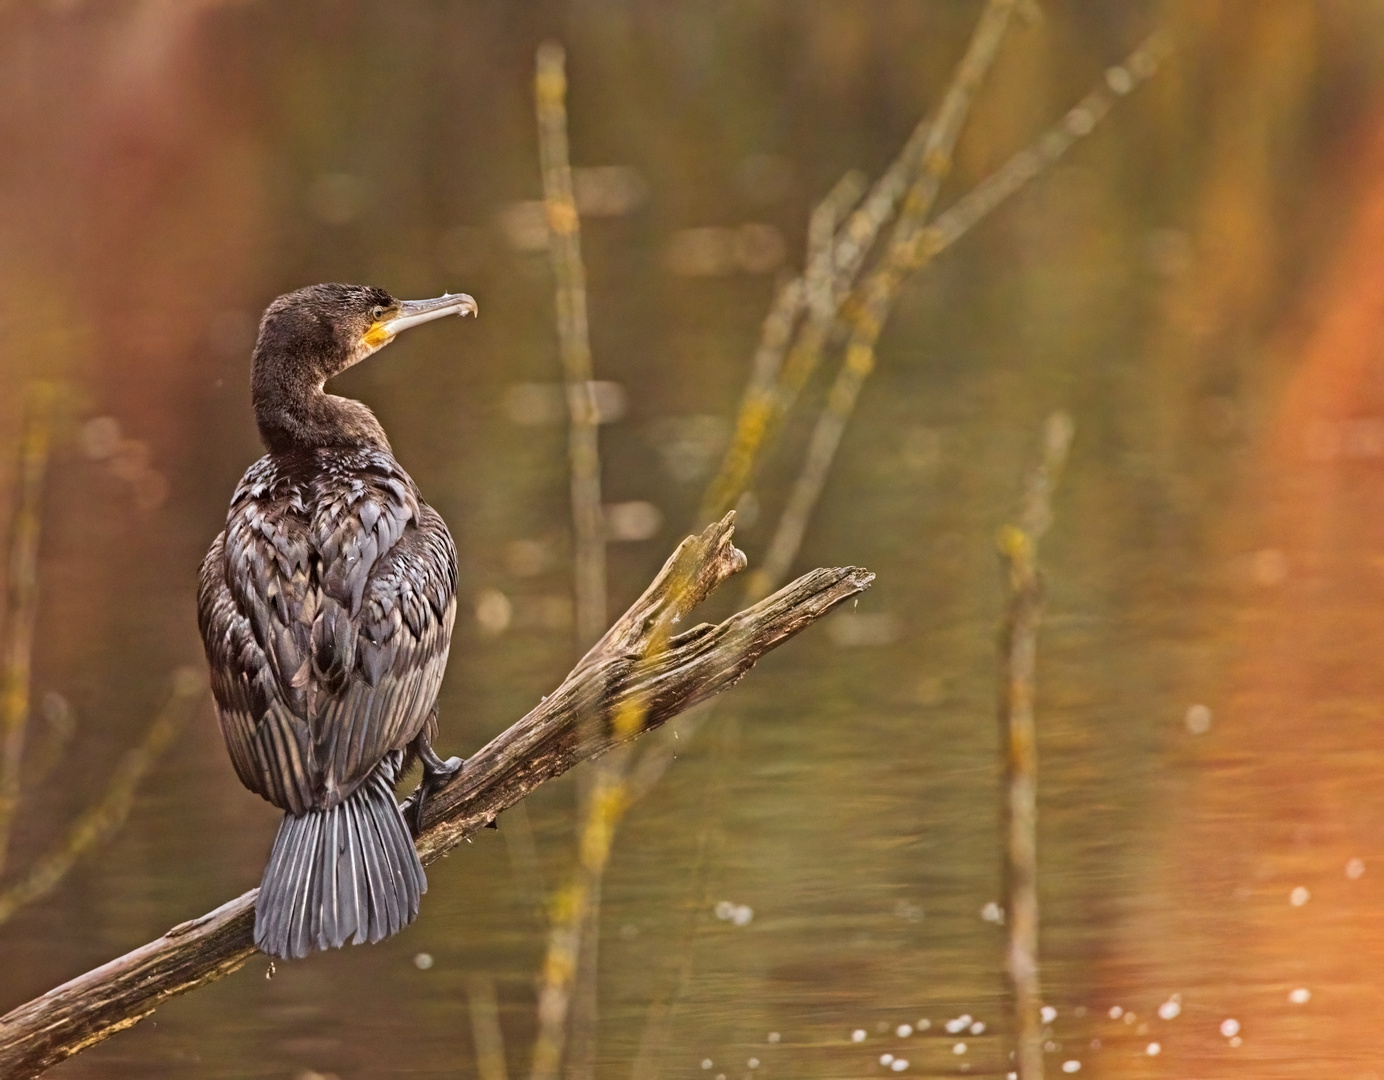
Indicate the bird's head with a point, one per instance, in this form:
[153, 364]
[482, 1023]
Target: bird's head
[310, 335]
[314, 333]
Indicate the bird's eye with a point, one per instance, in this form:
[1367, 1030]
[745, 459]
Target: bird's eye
[377, 312]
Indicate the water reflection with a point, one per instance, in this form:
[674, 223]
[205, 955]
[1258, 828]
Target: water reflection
[812, 889]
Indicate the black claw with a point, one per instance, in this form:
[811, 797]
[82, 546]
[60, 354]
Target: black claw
[437, 774]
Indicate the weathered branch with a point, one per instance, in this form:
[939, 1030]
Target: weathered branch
[635, 666]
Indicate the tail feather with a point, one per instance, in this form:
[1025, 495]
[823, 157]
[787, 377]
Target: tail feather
[348, 872]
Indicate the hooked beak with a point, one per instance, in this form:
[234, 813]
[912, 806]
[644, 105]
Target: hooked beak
[414, 313]
[417, 312]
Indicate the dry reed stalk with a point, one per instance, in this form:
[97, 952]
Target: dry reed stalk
[915, 248]
[1018, 546]
[1080, 120]
[108, 813]
[486, 1033]
[789, 345]
[575, 911]
[566, 1008]
[61, 723]
[912, 247]
[21, 599]
[809, 293]
[826, 285]
[915, 175]
[832, 267]
[574, 344]
[564, 246]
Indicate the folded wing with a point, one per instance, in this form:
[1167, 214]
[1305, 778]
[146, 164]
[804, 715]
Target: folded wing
[326, 609]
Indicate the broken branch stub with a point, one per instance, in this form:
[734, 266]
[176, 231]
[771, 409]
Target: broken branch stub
[641, 663]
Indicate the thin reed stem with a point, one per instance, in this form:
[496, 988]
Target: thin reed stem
[60, 722]
[827, 284]
[21, 600]
[940, 145]
[810, 291]
[573, 908]
[757, 405]
[919, 170]
[1018, 546]
[1079, 121]
[910, 250]
[789, 346]
[486, 1033]
[574, 344]
[105, 816]
[576, 1025]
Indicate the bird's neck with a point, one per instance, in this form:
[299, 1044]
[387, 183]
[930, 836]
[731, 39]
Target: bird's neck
[305, 417]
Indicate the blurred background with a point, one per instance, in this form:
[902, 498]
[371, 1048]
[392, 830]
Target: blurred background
[1199, 284]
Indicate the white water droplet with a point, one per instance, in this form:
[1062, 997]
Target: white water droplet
[1071, 1066]
[858, 1035]
[1048, 1014]
[1300, 996]
[1153, 1049]
[1198, 719]
[1230, 1027]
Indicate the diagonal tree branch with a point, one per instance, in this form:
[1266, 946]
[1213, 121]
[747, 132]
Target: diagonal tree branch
[635, 667]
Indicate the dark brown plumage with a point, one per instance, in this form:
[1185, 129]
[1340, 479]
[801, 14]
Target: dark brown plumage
[326, 609]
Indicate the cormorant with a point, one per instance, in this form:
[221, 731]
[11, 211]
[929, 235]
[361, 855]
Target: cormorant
[326, 609]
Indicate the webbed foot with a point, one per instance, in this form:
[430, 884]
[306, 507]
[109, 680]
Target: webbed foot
[437, 774]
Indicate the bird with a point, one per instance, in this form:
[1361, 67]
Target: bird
[326, 607]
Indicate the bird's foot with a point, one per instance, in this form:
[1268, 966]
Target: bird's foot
[437, 774]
